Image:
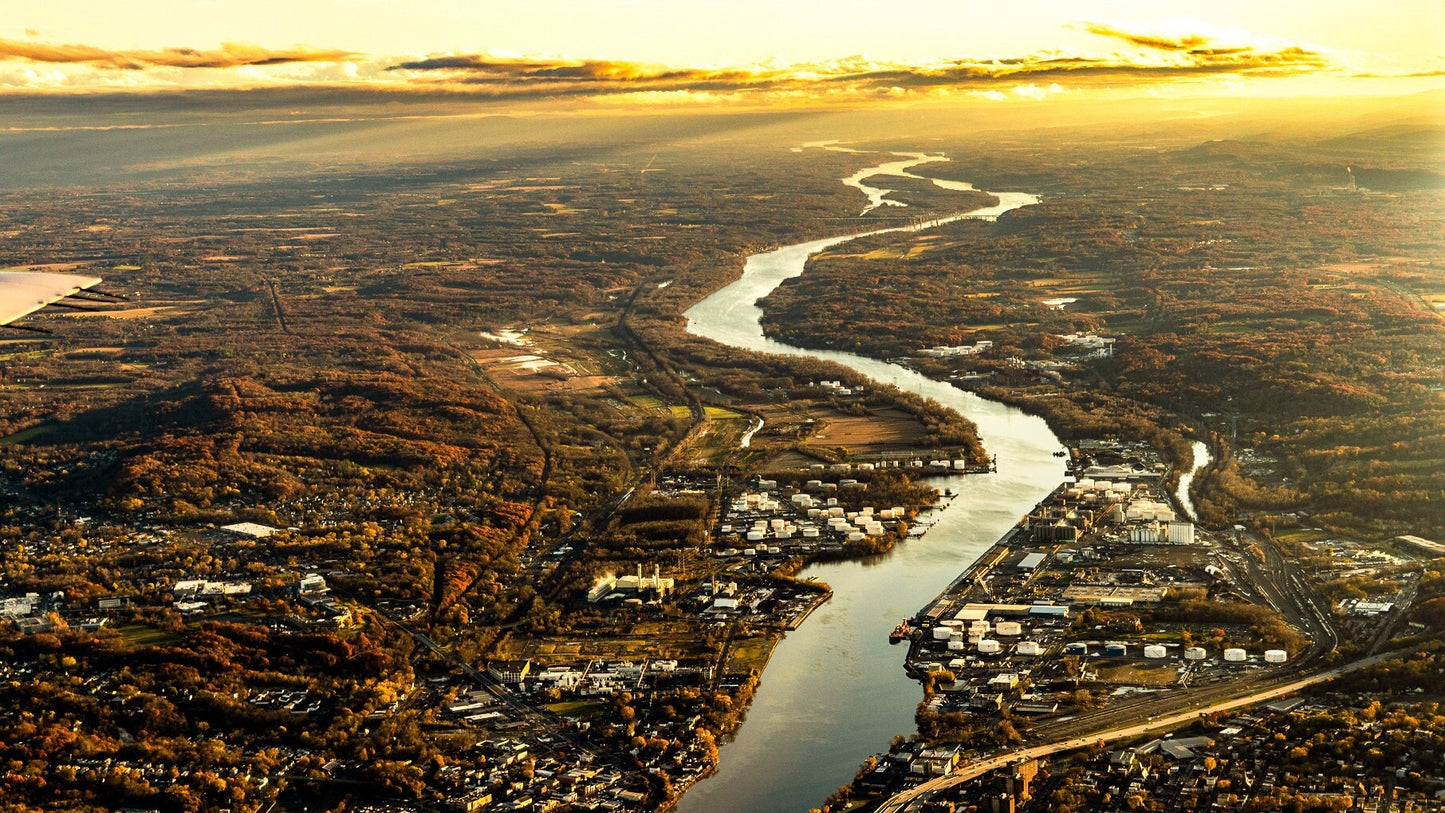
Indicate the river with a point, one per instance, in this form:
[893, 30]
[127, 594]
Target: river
[1186, 480]
[834, 691]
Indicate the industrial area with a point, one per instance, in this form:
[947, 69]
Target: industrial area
[1106, 613]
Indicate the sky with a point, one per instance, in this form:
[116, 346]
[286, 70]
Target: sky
[619, 52]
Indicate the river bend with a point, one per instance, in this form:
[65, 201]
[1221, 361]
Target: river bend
[834, 691]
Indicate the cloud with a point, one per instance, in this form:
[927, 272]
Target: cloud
[229, 55]
[1043, 72]
[1139, 57]
[1204, 49]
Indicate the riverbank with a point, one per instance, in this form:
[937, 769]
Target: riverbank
[807, 730]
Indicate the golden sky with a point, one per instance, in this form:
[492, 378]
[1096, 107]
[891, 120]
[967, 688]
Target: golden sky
[708, 51]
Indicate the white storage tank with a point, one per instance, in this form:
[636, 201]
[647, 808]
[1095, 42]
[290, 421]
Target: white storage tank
[942, 633]
[1195, 653]
[1235, 655]
[750, 551]
[1155, 651]
[952, 622]
[988, 646]
[957, 646]
[777, 524]
[755, 536]
[1028, 647]
[810, 533]
[1009, 628]
[1275, 656]
[955, 664]
[856, 536]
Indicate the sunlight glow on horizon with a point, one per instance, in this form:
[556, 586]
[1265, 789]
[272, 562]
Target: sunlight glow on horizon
[710, 50]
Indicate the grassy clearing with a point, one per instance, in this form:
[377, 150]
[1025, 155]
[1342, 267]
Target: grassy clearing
[1138, 674]
[1303, 535]
[28, 435]
[747, 654]
[577, 708]
[719, 442]
[143, 637]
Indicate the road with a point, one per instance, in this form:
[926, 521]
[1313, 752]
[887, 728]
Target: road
[538, 720]
[901, 801]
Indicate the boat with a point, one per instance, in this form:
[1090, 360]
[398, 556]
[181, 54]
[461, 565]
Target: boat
[899, 632]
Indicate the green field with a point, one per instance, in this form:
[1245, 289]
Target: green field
[27, 435]
[139, 635]
[577, 708]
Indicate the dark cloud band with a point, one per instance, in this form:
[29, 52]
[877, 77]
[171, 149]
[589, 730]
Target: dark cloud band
[230, 55]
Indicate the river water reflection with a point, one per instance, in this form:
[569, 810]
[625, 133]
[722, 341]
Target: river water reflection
[835, 690]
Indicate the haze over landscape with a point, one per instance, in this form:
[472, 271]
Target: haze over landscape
[722, 405]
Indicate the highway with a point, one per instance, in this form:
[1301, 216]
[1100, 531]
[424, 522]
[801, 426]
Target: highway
[901, 801]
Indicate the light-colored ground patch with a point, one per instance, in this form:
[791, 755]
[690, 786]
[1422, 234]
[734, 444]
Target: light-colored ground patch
[1160, 673]
[884, 428]
[177, 309]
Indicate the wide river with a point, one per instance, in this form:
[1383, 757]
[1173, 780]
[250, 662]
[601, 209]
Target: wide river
[834, 691]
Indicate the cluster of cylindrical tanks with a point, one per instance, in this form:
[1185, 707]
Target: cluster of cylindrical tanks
[1119, 649]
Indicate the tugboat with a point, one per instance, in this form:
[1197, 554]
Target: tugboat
[899, 632]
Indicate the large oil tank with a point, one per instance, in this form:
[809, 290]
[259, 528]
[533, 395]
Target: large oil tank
[1155, 651]
[1195, 653]
[1028, 647]
[1235, 655]
[1009, 628]
[988, 646]
[1275, 656]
